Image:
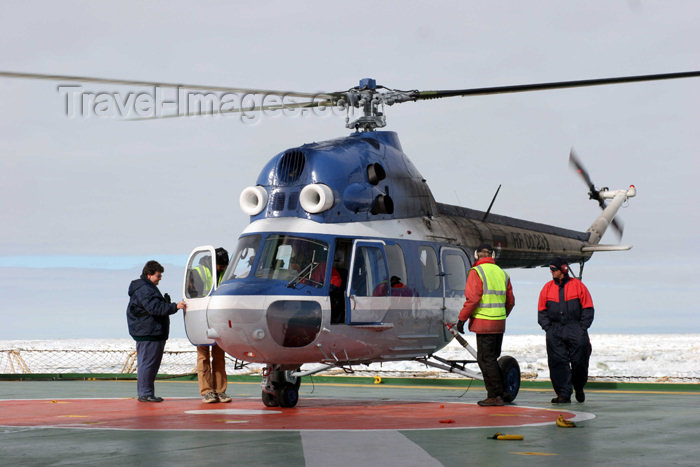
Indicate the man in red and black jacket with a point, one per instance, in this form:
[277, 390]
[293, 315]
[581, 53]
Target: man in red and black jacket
[565, 312]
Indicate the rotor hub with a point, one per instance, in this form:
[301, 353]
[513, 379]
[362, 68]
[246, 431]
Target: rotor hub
[367, 97]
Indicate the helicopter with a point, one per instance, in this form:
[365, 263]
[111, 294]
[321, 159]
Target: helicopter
[348, 258]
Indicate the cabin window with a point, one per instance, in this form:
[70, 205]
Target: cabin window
[288, 258]
[370, 277]
[456, 272]
[397, 264]
[242, 260]
[429, 267]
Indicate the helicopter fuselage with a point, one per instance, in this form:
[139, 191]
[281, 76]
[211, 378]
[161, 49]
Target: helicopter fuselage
[348, 259]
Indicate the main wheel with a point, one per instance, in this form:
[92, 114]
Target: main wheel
[510, 372]
[269, 400]
[288, 396]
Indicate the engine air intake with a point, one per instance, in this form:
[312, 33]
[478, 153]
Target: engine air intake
[253, 200]
[316, 198]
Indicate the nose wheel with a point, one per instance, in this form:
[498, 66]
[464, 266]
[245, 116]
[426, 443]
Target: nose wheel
[279, 389]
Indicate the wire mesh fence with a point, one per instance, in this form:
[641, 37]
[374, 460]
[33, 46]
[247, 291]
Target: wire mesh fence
[667, 360]
[102, 361]
[27, 361]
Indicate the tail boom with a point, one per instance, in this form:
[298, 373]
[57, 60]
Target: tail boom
[600, 225]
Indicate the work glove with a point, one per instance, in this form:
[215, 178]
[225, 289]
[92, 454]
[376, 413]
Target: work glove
[460, 327]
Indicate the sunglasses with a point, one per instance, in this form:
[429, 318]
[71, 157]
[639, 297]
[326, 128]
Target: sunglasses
[553, 268]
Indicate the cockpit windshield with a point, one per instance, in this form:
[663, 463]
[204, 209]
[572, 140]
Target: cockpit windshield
[242, 259]
[294, 259]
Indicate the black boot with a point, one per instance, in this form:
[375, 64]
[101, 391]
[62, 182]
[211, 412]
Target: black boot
[561, 400]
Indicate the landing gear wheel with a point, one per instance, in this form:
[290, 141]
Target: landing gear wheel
[288, 396]
[280, 388]
[269, 400]
[510, 372]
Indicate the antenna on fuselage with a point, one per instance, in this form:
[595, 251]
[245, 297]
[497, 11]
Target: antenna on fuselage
[488, 211]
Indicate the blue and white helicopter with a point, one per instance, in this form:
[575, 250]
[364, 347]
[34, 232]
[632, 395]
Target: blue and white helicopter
[348, 258]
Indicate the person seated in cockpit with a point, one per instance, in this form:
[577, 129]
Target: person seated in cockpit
[300, 257]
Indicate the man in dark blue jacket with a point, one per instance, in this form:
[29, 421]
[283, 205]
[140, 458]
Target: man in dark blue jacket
[148, 316]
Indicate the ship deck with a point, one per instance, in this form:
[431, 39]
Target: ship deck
[344, 421]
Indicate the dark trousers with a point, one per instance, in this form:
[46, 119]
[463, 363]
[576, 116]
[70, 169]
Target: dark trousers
[488, 349]
[568, 354]
[148, 357]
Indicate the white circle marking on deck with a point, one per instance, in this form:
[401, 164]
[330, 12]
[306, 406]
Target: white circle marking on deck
[231, 412]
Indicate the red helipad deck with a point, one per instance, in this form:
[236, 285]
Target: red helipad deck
[342, 424]
[250, 414]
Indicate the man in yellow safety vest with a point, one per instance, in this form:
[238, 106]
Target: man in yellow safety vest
[201, 278]
[211, 360]
[489, 299]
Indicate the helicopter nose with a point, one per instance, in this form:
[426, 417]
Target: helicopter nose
[254, 324]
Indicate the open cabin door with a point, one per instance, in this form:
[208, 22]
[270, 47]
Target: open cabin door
[454, 266]
[368, 290]
[199, 282]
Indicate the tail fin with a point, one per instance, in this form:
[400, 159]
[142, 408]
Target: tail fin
[600, 225]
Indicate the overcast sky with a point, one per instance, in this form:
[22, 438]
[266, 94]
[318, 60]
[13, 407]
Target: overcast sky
[85, 201]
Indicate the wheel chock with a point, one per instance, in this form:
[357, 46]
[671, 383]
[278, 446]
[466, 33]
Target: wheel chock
[564, 423]
[503, 436]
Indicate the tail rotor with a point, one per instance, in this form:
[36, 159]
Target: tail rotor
[593, 192]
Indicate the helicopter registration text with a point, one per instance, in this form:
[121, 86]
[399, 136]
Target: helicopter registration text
[534, 241]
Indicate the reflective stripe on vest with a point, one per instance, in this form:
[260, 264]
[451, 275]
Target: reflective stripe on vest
[493, 299]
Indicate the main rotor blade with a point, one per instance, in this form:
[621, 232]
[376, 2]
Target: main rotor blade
[201, 87]
[556, 85]
[262, 108]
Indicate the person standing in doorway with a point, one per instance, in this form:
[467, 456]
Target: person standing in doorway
[211, 360]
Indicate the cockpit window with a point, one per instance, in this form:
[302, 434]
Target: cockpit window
[242, 259]
[294, 259]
